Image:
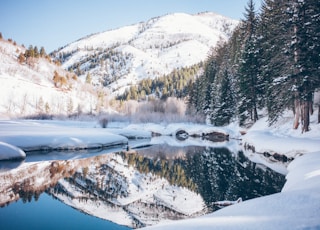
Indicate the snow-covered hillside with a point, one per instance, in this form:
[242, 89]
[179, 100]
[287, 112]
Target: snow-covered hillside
[28, 88]
[123, 56]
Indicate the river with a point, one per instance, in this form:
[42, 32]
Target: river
[125, 189]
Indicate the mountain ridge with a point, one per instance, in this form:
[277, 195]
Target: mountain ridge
[123, 56]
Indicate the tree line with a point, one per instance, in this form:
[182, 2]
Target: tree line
[175, 84]
[270, 64]
[31, 53]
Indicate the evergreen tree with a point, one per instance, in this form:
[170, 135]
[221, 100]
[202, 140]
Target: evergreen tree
[42, 52]
[249, 85]
[275, 33]
[36, 52]
[223, 109]
[30, 52]
[305, 17]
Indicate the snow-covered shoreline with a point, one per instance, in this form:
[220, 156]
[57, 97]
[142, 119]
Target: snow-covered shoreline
[10, 152]
[297, 206]
[32, 135]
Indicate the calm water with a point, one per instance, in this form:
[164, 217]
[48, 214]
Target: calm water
[101, 190]
[48, 213]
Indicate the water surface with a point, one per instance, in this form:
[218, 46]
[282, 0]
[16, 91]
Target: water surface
[136, 188]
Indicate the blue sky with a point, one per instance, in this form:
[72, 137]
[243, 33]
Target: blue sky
[55, 23]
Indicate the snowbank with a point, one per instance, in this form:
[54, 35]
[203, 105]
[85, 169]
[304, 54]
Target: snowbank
[172, 129]
[9, 152]
[296, 207]
[282, 139]
[32, 136]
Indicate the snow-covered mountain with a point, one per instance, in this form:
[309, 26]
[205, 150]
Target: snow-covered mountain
[116, 59]
[121, 57]
[27, 87]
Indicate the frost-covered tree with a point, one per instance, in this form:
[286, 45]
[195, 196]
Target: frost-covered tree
[224, 107]
[305, 17]
[249, 85]
[274, 34]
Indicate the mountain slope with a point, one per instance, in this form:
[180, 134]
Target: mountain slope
[27, 87]
[121, 57]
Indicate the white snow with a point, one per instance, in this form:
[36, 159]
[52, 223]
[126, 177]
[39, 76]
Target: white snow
[71, 135]
[29, 89]
[297, 206]
[180, 199]
[96, 208]
[8, 152]
[143, 190]
[281, 138]
[32, 135]
[173, 128]
[156, 47]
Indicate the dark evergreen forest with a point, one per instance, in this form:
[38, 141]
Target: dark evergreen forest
[269, 65]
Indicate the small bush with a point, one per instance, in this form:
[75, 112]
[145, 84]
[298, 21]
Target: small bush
[103, 122]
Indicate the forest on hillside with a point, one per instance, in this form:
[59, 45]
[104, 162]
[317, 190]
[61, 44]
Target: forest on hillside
[270, 64]
[176, 84]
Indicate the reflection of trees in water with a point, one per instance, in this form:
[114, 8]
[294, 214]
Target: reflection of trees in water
[173, 169]
[31, 180]
[215, 173]
[220, 175]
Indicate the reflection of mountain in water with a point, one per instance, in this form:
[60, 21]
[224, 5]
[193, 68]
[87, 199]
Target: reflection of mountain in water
[143, 187]
[216, 173]
[116, 191]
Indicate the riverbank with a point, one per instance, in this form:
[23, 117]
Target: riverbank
[297, 206]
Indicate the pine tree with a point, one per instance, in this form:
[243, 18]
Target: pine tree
[305, 17]
[42, 52]
[275, 34]
[36, 52]
[248, 69]
[30, 52]
[223, 109]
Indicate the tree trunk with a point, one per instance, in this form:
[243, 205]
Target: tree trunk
[306, 117]
[319, 114]
[297, 113]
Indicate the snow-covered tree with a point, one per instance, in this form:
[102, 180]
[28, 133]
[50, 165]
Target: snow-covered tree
[275, 63]
[224, 108]
[305, 17]
[249, 85]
